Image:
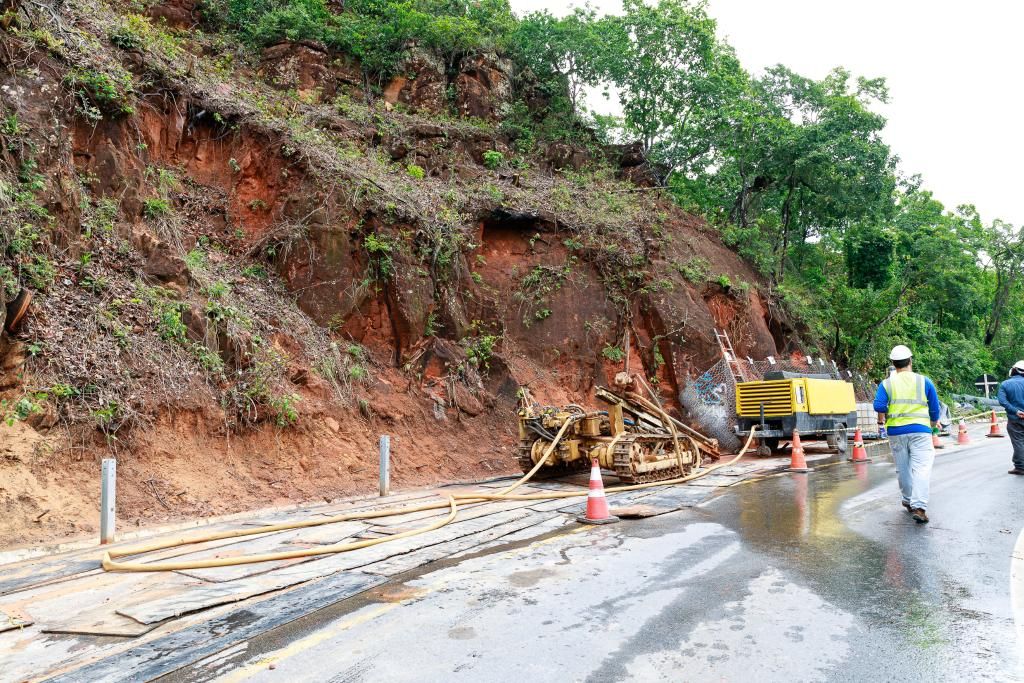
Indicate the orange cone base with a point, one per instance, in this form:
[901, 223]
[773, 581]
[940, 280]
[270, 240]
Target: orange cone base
[995, 436]
[610, 519]
[937, 442]
[798, 469]
[854, 460]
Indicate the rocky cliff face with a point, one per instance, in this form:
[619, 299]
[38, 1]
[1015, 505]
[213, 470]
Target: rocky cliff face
[245, 272]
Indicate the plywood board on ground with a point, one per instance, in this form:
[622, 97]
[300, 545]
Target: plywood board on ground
[180, 648]
[105, 622]
[200, 597]
[34, 573]
[553, 523]
[412, 560]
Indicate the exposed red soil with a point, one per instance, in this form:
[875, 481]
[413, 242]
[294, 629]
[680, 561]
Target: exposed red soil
[449, 419]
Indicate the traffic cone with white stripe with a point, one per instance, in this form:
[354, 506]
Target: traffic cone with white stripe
[797, 462]
[993, 432]
[961, 436]
[597, 504]
[936, 441]
[860, 454]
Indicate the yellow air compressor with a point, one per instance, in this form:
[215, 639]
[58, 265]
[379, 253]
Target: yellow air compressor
[817, 407]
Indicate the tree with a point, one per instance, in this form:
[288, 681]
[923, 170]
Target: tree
[568, 50]
[1005, 250]
[675, 80]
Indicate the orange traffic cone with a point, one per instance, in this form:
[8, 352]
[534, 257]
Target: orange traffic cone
[798, 464]
[961, 436]
[936, 442]
[860, 454]
[597, 504]
[993, 432]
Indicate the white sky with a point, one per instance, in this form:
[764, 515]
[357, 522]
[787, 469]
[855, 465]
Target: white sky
[954, 71]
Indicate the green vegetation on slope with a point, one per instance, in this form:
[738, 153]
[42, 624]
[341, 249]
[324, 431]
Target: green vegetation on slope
[793, 170]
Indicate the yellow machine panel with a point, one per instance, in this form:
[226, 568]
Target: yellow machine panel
[780, 397]
[830, 396]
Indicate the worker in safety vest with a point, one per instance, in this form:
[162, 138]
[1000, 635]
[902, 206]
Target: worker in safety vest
[908, 407]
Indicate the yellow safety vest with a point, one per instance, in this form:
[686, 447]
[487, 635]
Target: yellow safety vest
[907, 402]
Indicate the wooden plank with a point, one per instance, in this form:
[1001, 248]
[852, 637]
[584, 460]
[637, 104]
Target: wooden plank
[328, 534]
[31, 574]
[553, 523]
[471, 511]
[210, 595]
[418, 558]
[677, 497]
[105, 623]
[496, 482]
[175, 650]
[40, 571]
[472, 521]
[270, 543]
[408, 499]
[740, 470]
[359, 559]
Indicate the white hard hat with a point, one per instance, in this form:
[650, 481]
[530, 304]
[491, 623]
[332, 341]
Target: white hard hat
[1018, 366]
[900, 352]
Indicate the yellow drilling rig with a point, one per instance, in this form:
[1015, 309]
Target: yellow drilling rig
[634, 437]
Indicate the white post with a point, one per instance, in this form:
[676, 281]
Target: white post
[108, 485]
[385, 465]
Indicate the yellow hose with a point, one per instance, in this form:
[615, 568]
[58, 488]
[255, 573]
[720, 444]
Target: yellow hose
[453, 502]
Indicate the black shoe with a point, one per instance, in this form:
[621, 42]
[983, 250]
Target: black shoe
[919, 515]
[907, 505]
[1016, 470]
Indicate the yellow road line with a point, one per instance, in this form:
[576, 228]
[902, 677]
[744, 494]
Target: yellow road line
[304, 644]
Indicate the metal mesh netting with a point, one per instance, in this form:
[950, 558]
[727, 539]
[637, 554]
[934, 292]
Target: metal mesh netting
[711, 399]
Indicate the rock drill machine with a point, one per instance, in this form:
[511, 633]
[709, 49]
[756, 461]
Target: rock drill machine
[634, 437]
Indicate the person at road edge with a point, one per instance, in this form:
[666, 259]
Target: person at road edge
[908, 407]
[1011, 397]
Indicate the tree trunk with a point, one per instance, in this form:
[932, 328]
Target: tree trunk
[787, 215]
[1004, 285]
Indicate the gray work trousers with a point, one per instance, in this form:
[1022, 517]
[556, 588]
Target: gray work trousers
[1015, 428]
[914, 456]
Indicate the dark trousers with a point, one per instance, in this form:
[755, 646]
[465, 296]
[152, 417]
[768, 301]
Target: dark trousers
[1015, 428]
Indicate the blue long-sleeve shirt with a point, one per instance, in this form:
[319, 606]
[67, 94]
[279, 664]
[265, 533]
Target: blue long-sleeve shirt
[932, 396]
[1011, 396]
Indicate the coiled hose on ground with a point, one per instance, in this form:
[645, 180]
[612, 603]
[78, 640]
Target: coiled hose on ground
[452, 503]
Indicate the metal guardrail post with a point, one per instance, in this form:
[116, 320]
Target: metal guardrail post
[108, 494]
[385, 465]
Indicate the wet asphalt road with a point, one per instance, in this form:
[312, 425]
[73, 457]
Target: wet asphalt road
[819, 577]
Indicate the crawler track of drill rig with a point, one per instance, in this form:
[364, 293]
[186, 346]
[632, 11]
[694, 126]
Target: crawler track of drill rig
[631, 438]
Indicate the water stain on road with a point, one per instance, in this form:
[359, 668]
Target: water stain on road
[462, 633]
[528, 578]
